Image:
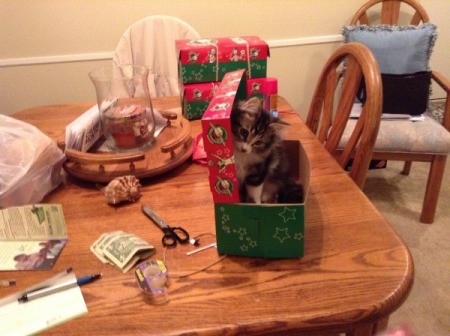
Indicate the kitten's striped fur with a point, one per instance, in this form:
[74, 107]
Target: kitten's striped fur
[261, 165]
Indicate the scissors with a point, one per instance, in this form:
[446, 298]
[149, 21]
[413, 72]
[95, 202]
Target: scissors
[172, 235]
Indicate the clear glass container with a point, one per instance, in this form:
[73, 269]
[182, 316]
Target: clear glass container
[125, 106]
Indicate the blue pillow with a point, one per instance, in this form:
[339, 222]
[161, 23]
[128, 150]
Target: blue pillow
[397, 49]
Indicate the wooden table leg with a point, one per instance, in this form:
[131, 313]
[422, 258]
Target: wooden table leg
[370, 329]
[380, 326]
[362, 330]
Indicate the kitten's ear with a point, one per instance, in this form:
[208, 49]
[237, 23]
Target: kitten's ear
[279, 127]
[252, 106]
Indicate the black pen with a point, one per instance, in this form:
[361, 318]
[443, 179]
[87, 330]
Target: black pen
[58, 287]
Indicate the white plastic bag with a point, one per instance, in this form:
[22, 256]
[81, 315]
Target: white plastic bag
[30, 163]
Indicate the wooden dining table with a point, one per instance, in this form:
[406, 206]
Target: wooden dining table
[355, 272]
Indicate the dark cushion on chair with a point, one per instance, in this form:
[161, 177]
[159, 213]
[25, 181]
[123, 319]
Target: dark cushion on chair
[403, 94]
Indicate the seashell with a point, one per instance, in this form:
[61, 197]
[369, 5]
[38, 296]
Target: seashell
[122, 189]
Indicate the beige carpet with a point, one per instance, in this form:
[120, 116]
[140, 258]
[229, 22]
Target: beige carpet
[399, 198]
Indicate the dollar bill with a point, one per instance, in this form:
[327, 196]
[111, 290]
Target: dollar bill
[121, 249]
[99, 244]
[124, 248]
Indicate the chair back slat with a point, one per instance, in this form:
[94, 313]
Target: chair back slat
[390, 12]
[351, 80]
[359, 63]
[328, 104]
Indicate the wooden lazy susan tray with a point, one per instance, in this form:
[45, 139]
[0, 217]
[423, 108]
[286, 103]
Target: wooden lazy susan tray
[172, 147]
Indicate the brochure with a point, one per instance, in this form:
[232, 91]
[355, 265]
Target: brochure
[31, 237]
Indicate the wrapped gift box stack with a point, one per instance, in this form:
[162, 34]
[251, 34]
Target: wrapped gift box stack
[203, 63]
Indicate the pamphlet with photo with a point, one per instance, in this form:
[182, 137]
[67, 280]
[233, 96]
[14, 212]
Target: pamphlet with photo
[31, 237]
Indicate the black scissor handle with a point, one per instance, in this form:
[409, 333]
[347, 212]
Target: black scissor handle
[168, 240]
[174, 235]
[181, 235]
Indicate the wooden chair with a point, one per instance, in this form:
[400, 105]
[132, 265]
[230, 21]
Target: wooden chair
[391, 12]
[332, 103]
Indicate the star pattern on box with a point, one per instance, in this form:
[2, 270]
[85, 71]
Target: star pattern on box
[241, 232]
[183, 74]
[198, 76]
[227, 152]
[252, 243]
[225, 219]
[287, 214]
[230, 175]
[190, 113]
[299, 236]
[226, 228]
[281, 234]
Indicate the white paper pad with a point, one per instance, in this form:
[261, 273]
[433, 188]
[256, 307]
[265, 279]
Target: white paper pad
[43, 313]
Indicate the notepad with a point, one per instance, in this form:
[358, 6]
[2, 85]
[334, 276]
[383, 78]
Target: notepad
[43, 313]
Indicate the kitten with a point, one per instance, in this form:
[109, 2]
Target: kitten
[261, 165]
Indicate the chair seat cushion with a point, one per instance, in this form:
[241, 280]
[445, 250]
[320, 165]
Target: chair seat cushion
[424, 136]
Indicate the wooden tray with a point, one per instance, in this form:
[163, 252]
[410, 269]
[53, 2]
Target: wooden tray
[172, 147]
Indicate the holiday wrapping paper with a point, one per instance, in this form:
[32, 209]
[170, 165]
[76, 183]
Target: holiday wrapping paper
[218, 140]
[266, 89]
[209, 59]
[196, 98]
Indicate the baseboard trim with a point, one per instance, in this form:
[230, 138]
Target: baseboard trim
[54, 59]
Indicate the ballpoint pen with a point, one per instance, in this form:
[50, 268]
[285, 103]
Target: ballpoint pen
[57, 288]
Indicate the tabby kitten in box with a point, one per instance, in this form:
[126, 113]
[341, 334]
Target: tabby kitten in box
[261, 163]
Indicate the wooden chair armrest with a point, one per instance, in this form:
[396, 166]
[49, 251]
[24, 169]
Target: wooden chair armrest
[441, 80]
[444, 83]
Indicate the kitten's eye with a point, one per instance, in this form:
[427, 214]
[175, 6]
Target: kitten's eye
[258, 143]
[243, 132]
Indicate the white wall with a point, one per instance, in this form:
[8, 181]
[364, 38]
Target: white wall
[48, 47]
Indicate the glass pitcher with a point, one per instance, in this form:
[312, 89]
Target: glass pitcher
[125, 106]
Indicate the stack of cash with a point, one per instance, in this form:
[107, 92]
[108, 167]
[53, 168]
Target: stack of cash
[121, 249]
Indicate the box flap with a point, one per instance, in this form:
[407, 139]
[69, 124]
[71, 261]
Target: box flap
[218, 139]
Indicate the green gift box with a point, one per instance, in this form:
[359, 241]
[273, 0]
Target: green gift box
[266, 230]
[209, 59]
[196, 98]
[244, 229]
